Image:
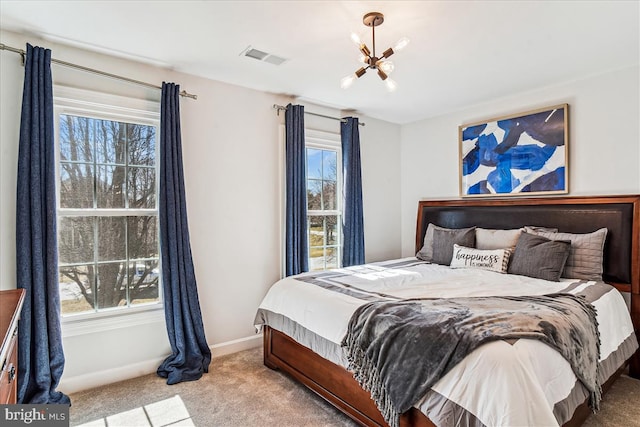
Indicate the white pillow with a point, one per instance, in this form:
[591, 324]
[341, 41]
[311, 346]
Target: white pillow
[493, 260]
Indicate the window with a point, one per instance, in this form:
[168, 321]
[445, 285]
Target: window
[324, 223]
[108, 245]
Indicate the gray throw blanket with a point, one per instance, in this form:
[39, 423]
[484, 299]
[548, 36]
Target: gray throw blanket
[398, 350]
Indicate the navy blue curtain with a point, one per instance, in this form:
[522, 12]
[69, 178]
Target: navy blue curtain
[352, 218]
[40, 355]
[297, 259]
[190, 355]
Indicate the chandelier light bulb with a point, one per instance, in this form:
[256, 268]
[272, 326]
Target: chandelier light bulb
[364, 59]
[346, 82]
[401, 44]
[386, 66]
[391, 84]
[356, 39]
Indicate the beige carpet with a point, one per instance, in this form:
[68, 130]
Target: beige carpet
[240, 391]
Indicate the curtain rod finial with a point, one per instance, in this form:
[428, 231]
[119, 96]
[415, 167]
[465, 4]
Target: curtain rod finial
[186, 94]
[278, 108]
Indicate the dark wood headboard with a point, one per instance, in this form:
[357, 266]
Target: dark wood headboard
[578, 214]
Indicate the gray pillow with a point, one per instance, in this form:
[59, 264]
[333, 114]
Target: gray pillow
[539, 257]
[426, 253]
[443, 241]
[586, 256]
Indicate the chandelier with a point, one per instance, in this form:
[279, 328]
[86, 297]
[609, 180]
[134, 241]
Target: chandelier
[383, 66]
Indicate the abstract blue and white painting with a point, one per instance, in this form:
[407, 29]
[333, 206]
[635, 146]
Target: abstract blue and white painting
[515, 155]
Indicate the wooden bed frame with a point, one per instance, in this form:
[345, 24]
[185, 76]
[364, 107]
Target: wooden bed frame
[619, 214]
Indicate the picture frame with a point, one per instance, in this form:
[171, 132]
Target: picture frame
[521, 154]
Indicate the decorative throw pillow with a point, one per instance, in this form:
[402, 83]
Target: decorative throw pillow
[443, 241]
[539, 257]
[497, 239]
[493, 260]
[586, 256]
[426, 253]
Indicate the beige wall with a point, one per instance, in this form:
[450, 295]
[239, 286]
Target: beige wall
[231, 138]
[604, 141]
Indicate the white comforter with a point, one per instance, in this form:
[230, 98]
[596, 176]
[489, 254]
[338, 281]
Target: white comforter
[502, 384]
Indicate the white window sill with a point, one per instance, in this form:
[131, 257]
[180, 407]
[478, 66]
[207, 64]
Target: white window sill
[89, 323]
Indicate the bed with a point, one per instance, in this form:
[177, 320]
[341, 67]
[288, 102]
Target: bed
[304, 339]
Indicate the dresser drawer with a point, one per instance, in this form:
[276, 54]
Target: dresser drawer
[9, 373]
[11, 302]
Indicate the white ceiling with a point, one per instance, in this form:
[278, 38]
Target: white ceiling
[461, 52]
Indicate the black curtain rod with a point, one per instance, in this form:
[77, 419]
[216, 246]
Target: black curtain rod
[94, 71]
[278, 108]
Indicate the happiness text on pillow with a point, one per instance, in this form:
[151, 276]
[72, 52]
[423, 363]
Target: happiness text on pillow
[475, 259]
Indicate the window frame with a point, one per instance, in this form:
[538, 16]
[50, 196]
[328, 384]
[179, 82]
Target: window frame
[103, 106]
[327, 141]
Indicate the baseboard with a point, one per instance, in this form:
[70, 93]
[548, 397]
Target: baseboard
[235, 346]
[108, 376]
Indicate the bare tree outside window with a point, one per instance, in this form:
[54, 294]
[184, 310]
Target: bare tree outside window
[108, 224]
[322, 208]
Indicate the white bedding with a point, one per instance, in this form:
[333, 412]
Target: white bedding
[527, 378]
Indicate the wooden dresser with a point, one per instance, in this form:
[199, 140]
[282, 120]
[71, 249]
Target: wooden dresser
[10, 306]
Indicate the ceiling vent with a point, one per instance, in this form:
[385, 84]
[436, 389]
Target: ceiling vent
[262, 56]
